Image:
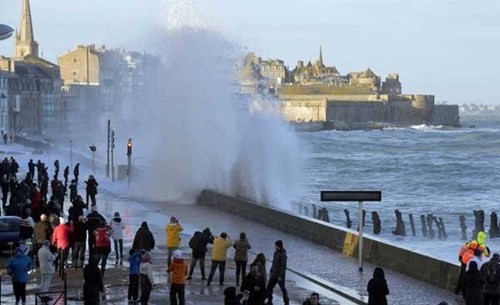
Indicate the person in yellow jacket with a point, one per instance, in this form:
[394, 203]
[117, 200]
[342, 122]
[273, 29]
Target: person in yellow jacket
[467, 253]
[219, 252]
[173, 230]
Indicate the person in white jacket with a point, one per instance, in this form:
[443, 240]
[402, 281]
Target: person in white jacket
[117, 227]
[47, 268]
[146, 277]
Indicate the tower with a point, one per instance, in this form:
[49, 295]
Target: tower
[25, 43]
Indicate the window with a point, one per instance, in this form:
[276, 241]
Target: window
[74, 60]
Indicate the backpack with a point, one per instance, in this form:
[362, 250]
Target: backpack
[102, 237]
[196, 242]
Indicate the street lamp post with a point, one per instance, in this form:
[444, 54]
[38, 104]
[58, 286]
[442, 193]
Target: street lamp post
[112, 155]
[93, 149]
[71, 153]
[129, 158]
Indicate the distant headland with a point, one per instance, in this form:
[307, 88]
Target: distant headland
[317, 95]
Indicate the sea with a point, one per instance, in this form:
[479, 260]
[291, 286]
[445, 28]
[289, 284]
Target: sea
[419, 169]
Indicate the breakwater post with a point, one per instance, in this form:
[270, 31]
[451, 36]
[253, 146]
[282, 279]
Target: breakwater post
[376, 223]
[424, 225]
[463, 226]
[478, 223]
[400, 225]
[494, 225]
[348, 219]
[412, 225]
[432, 234]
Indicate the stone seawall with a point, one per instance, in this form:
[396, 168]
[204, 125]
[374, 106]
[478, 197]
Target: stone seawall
[425, 268]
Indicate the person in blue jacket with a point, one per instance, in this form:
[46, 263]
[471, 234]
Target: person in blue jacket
[133, 284]
[18, 268]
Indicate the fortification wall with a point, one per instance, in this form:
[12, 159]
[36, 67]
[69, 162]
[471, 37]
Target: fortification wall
[446, 115]
[305, 110]
[355, 111]
[425, 268]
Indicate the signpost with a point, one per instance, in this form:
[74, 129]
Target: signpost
[360, 197]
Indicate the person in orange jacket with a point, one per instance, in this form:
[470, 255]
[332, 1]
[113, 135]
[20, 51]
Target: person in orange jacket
[466, 253]
[178, 270]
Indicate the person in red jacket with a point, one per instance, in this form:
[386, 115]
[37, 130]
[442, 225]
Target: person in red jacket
[60, 239]
[178, 270]
[102, 246]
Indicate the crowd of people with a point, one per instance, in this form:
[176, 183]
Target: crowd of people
[479, 279]
[53, 240]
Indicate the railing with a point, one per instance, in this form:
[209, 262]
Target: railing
[53, 296]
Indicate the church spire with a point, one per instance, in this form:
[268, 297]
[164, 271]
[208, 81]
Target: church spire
[320, 55]
[25, 38]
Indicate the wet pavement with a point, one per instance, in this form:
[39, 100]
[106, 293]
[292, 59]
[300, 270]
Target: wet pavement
[305, 258]
[313, 267]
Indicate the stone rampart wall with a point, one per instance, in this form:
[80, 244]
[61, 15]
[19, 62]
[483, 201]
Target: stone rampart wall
[425, 268]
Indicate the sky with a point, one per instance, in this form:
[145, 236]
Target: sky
[449, 48]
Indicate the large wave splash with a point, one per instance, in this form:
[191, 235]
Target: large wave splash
[203, 133]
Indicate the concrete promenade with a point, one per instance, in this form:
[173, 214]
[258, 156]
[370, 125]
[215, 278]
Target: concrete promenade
[304, 257]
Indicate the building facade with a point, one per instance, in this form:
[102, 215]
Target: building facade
[30, 98]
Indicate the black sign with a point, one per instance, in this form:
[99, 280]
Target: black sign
[351, 196]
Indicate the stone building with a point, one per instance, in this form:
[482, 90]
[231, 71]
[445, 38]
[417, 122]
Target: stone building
[31, 97]
[316, 73]
[266, 75]
[365, 78]
[107, 83]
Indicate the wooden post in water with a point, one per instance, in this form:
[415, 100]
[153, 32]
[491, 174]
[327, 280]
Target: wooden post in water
[412, 225]
[445, 236]
[400, 225]
[376, 223]
[326, 217]
[493, 225]
[315, 215]
[306, 210]
[429, 226]
[463, 227]
[424, 225]
[478, 223]
[348, 219]
[438, 226]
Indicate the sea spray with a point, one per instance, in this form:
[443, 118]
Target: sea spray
[198, 135]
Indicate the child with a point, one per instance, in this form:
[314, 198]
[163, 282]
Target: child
[133, 274]
[147, 278]
[179, 272]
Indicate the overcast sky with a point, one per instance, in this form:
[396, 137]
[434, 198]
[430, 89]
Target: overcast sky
[449, 48]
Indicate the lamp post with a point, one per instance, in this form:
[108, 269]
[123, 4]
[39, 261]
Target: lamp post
[71, 153]
[359, 197]
[129, 159]
[93, 149]
[113, 155]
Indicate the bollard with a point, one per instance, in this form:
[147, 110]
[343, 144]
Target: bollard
[429, 226]
[348, 219]
[412, 225]
[463, 227]
[400, 225]
[424, 225]
[376, 223]
[493, 225]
